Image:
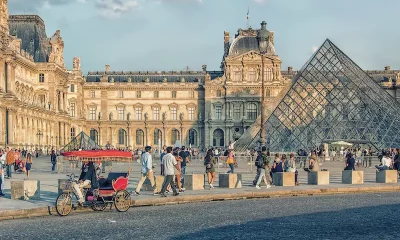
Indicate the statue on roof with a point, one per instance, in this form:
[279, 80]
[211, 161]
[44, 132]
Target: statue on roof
[4, 14]
[76, 64]
[57, 49]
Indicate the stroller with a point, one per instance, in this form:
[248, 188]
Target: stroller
[19, 166]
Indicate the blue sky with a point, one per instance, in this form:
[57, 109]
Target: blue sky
[133, 35]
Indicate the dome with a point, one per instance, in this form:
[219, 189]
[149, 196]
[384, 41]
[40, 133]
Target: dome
[244, 44]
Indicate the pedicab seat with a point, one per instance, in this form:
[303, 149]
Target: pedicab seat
[114, 181]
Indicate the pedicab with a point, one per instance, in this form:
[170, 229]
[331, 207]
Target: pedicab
[111, 192]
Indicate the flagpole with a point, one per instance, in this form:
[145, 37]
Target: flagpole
[247, 18]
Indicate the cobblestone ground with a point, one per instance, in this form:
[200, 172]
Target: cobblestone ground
[363, 216]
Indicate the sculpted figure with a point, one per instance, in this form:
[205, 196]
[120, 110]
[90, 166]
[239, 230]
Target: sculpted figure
[77, 64]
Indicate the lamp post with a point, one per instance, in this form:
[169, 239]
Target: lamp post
[98, 122]
[263, 38]
[128, 119]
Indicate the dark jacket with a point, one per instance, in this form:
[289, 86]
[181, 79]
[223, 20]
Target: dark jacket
[53, 157]
[88, 172]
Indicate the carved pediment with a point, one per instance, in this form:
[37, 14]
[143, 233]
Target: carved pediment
[173, 105]
[138, 105]
[191, 105]
[155, 105]
[120, 105]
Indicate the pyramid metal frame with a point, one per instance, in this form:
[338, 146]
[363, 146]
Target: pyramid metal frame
[81, 141]
[333, 99]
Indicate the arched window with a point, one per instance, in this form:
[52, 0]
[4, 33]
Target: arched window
[174, 136]
[157, 137]
[139, 137]
[251, 111]
[218, 138]
[219, 94]
[193, 137]
[94, 135]
[267, 93]
[122, 137]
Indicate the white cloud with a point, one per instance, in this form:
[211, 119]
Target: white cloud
[114, 8]
[314, 49]
[259, 1]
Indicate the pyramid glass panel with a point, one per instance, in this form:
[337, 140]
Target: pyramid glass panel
[332, 99]
[80, 142]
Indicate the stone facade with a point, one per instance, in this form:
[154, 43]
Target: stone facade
[43, 105]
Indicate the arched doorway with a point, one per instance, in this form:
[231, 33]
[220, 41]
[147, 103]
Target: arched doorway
[193, 137]
[174, 136]
[157, 137]
[139, 137]
[122, 137]
[94, 135]
[218, 138]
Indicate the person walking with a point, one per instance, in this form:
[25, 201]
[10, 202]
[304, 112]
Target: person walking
[28, 164]
[209, 162]
[2, 161]
[263, 164]
[10, 161]
[177, 171]
[185, 159]
[53, 159]
[231, 161]
[161, 160]
[147, 170]
[170, 164]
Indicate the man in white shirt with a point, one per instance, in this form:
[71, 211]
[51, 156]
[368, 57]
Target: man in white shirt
[386, 162]
[147, 170]
[170, 163]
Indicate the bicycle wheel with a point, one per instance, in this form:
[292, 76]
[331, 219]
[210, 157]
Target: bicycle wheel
[64, 204]
[122, 201]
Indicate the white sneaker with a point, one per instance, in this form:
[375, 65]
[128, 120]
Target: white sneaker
[258, 187]
[268, 186]
[211, 186]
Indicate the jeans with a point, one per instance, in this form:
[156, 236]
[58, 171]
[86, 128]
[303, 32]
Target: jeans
[1, 183]
[169, 180]
[162, 170]
[382, 168]
[183, 170]
[9, 170]
[53, 167]
[148, 175]
[261, 177]
[232, 167]
[257, 175]
[78, 189]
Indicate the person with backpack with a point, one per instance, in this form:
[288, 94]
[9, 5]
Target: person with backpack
[263, 164]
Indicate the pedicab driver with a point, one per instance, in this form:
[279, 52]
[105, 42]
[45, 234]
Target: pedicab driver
[87, 178]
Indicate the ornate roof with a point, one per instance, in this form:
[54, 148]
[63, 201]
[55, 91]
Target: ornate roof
[146, 76]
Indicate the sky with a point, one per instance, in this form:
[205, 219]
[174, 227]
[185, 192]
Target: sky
[170, 35]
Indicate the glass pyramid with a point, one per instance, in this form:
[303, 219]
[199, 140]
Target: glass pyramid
[332, 99]
[81, 141]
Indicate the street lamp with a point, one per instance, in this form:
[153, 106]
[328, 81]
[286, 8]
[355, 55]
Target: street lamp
[128, 118]
[262, 38]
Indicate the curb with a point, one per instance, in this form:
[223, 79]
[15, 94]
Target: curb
[50, 210]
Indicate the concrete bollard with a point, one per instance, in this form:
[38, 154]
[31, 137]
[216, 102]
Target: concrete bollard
[318, 178]
[194, 181]
[230, 180]
[352, 177]
[25, 190]
[158, 180]
[285, 179]
[386, 176]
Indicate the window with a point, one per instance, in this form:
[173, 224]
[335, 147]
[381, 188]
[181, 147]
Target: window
[267, 93]
[252, 111]
[218, 112]
[139, 137]
[72, 88]
[156, 94]
[92, 113]
[72, 109]
[41, 77]
[121, 113]
[173, 94]
[236, 112]
[252, 75]
[219, 93]
[191, 113]
[138, 113]
[92, 93]
[174, 136]
[72, 132]
[193, 137]
[237, 75]
[156, 113]
[121, 94]
[94, 135]
[269, 76]
[173, 113]
[121, 137]
[138, 94]
[191, 94]
[157, 136]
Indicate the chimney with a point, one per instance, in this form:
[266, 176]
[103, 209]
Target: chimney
[204, 67]
[387, 68]
[290, 69]
[107, 68]
[226, 37]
